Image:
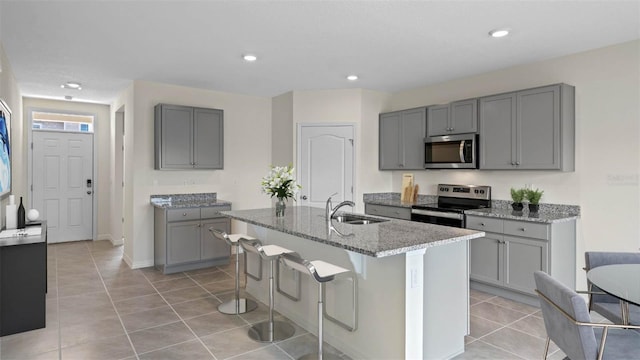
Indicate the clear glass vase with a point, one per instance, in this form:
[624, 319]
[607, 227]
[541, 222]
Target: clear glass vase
[280, 206]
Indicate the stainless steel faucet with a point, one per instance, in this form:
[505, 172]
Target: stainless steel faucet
[329, 213]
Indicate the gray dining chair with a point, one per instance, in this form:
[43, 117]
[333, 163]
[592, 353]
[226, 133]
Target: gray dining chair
[568, 324]
[604, 304]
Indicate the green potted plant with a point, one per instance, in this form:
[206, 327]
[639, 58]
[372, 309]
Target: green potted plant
[534, 199]
[517, 195]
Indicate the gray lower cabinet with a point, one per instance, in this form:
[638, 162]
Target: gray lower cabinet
[459, 117]
[401, 139]
[188, 138]
[504, 260]
[528, 130]
[397, 212]
[182, 240]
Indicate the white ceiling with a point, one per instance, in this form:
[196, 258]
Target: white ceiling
[391, 45]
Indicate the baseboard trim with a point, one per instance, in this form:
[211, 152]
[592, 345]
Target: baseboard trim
[104, 237]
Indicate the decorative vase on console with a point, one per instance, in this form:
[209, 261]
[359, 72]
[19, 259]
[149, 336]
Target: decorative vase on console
[517, 195]
[281, 183]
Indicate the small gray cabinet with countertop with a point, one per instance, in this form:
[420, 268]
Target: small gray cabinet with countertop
[401, 139]
[459, 117]
[182, 240]
[504, 260]
[188, 138]
[531, 129]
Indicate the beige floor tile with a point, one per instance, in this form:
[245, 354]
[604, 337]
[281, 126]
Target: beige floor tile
[27, 344]
[480, 295]
[150, 318]
[123, 293]
[191, 350]
[85, 314]
[231, 343]
[305, 344]
[186, 294]
[174, 284]
[496, 313]
[154, 275]
[159, 337]
[519, 343]
[210, 277]
[206, 270]
[90, 331]
[513, 305]
[481, 327]
[479, 350]
[125, 280]
[223, 286]
[193, 308]
[141, 303]
[531, 325]
[270, 352]
[86, 287]
[110, 348]
[214, 322]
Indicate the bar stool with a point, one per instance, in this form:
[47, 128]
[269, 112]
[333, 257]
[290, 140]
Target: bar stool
[270, 330]
[237, 305]
[321, 272]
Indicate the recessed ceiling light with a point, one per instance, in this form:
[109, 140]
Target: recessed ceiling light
[250, 57]
[72, 85]
[352, 77]
[498, 33]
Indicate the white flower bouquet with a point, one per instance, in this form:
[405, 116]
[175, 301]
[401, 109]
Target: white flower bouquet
[280, 182]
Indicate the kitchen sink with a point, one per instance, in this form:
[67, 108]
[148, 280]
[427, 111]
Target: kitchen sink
[357, 219]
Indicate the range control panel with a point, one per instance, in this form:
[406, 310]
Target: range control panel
[481, 192]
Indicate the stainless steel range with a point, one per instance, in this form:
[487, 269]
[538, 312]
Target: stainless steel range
[453, 200]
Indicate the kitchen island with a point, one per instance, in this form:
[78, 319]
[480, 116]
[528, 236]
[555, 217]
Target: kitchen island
[411, 278]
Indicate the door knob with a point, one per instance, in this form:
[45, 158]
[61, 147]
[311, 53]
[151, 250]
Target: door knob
[88, 192]
[304, 197]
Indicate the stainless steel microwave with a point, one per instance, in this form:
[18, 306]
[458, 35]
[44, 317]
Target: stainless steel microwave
[451, 152]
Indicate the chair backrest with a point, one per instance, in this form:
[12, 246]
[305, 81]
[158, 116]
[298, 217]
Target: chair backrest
[219, 234]
[594, 259]
[577, 342]
[294, 261]
[252, 245]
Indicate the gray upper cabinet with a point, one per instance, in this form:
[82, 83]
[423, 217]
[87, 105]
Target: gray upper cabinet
[401, 140]
[528, 130]
[188, 138]
[459, 117]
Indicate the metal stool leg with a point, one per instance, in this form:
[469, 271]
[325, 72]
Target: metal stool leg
[237, 305]
[320, 355]
[270, 331]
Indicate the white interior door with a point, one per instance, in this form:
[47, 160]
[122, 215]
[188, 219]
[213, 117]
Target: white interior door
[325, 163]
[63, 184]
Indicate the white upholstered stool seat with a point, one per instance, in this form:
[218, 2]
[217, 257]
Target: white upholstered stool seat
[237, 305]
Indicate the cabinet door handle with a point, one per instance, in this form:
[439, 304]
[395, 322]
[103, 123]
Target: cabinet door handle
[517, 162]
[481, 224]
[523, 229]
[184, 214]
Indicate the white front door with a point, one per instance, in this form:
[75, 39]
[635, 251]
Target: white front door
[325, 163]
[63, 184]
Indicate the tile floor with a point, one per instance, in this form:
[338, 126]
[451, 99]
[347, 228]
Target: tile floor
[98, 308]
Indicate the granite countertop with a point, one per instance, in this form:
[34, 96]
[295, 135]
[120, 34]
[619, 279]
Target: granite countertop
[549, 213]
[177, 201]
[393, 199]
[547, 216]
[392, 237]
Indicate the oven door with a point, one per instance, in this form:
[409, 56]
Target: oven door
[451, 152]
[438, 217]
